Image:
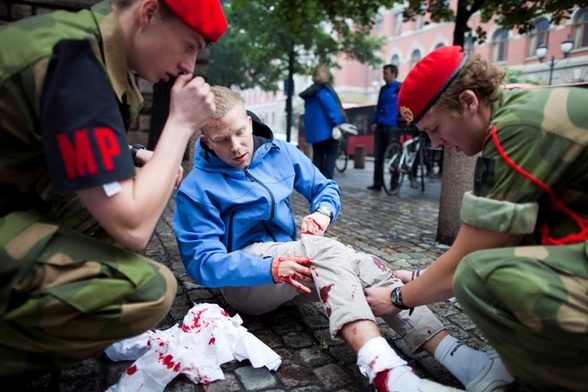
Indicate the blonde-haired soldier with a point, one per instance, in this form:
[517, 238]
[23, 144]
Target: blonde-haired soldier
[519, 264]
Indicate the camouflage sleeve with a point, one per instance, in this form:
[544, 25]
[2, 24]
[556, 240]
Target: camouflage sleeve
[83, 130]
[540, 133]
[501, 216]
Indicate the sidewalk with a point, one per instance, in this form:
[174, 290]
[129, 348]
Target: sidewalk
[399, 229]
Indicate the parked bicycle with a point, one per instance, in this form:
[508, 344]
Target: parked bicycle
[403, 160]
[342, 156]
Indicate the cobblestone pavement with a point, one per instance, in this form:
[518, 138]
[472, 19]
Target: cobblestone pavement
[400, 229]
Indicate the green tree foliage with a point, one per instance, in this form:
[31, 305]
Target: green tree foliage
[519, 14]
[264, 35]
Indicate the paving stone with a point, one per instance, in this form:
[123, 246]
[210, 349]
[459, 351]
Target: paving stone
[295, 375]
[298, 339]
[229, 384]
[313, 357]
[332, 376]
[255, 379]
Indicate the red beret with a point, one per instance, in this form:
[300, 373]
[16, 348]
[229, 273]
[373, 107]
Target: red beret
[429, 78]
[205, 17]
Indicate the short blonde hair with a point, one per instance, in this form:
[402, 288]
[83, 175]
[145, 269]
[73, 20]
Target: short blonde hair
[321, 74]
[225, 100]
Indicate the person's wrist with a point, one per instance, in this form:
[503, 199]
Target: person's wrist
[274, 269]
[325, 210]
[134, 150]
[397, 300]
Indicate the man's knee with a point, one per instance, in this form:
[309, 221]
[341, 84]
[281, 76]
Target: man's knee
[152, 300]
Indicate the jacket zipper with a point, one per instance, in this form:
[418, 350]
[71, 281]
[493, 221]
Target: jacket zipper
[273, 201]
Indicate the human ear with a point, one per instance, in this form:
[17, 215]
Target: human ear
[147, 11]
[203, 139]
[468, 101]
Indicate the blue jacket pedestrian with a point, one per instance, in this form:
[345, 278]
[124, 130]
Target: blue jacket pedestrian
[322, 112]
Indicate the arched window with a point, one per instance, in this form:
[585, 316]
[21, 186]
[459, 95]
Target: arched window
[581, 28]
[415, 56]
[539, 36]
[440, 44]
[499, 45]
[395, 60]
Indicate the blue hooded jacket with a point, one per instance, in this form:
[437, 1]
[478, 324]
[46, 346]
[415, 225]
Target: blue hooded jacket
[322, 112]
[221, 209]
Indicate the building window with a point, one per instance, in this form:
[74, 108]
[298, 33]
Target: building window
[397, 24]
[420, 22]
[499, 45]
[539, 36]
[581, 28]
[468, 44]
[415, 56]
[379, 24]
[395, 60]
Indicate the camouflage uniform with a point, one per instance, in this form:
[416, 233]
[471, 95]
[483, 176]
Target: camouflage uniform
[532, 301]
[66, 291]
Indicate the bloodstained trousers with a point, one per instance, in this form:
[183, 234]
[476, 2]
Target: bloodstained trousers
[340, 274]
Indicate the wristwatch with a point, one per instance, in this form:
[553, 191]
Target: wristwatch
[325, 211]
[134, 150]
[396, 299]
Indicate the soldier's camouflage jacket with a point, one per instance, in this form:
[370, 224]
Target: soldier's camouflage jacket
[25, 50]
[545, 132]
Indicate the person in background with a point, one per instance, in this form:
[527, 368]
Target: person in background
[519, 263]
[235, 230]
[385, 122]
[73, 208]
[322, 113]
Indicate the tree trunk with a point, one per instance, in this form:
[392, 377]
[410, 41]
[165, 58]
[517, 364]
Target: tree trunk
[458, 170]
[458, 178]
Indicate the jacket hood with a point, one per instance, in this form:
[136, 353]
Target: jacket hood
[310, 91]
[259, 128]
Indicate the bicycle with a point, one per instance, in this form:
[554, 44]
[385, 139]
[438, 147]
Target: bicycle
[403, 159]
[342, 156]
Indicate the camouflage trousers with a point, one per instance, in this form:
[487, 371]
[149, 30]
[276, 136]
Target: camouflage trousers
[65, 296]
[532, 304]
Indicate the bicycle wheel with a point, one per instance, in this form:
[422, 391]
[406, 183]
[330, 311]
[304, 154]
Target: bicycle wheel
[342, 158]
[393, 175]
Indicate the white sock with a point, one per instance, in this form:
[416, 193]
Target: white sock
[376, 356]
[462, 361]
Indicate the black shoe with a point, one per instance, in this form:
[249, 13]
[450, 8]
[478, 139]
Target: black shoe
[374, 187]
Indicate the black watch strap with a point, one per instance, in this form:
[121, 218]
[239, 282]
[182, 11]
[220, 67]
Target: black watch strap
[396, 299]
[134, 150]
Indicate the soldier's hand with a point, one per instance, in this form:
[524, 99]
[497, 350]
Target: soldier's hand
[406, 276]
[191, 102]
[143, 156]
[315, 224]
[378, 298]
[291, 270]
